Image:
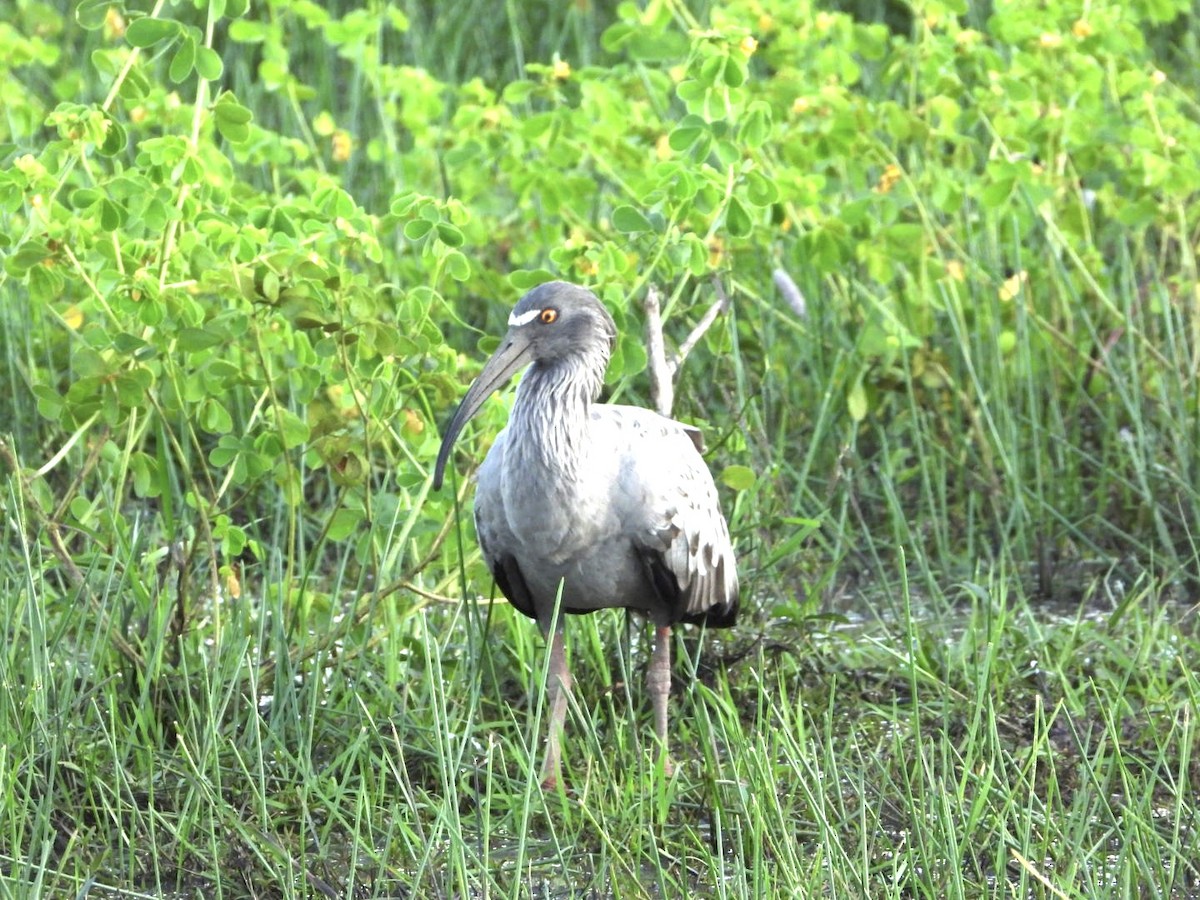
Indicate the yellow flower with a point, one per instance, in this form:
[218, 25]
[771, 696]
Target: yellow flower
[1049, 40]
[1012, 286]
[114, 24]
[343, 146]
[887, 181]
[716, 252]
[561, 69]
[413, 423]
[956, 271]
[233, 584]
[1082, 29]
[748, 45]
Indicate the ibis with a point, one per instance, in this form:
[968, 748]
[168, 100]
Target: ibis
[582, 505]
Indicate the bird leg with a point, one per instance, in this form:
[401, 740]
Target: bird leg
[558, 688]
[658, 685]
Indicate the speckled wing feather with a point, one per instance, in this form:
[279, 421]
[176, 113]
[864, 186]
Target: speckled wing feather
[682, 533]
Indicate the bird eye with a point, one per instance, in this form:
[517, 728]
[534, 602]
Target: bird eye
[548, 316]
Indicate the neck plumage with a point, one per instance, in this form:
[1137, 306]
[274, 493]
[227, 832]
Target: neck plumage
[549, 421]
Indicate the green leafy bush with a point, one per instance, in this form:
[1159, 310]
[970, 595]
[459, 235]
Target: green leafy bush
[236, 240]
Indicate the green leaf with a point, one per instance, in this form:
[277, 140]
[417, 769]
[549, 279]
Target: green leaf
[145, 474]
[194, 339]
[28, 255]
[734, 72]
[233, 112]
[214, 417]
[80, 507]
[50, 403]
[856, 400]
[616, 36]
[233, 119]
[727, 152]
[458, 266]
[148, 31]
[692, 92]
[740, 478]
[90, 14]
[687, 133]
[225, 452]
[344, 523]
[293, 429]
[449, 234]
[524, 279]
[996, 194]
[208, 63]
[756, 126]
[519, 91]
[417, 229]
[760, 190]
[115, 138]
[629, 220]
[183, 61]
[737, 220]
[711, 68]
[651, 47]
[247, 32]
[112, 215]
[270, 286]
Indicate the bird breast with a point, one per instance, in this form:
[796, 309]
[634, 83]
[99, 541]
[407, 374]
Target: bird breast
[557, 492]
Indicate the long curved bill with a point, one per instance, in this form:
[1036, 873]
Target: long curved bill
[510, 358]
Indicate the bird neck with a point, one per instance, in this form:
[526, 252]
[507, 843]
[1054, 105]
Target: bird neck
[550, 416]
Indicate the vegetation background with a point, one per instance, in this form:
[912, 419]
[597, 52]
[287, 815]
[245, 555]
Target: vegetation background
[252, 253]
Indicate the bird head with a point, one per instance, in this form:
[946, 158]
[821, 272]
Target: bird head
[558, 321]
[553, 324]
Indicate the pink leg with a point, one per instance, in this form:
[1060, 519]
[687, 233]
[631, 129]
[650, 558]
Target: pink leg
[558, 688]
[658, 684]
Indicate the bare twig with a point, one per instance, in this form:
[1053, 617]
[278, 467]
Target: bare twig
[663, 367]
[662, 372]
[720, 305]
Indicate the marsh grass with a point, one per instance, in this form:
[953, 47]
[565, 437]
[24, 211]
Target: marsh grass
[971, 746]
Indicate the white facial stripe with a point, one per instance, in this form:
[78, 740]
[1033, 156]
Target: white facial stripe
[524, 318]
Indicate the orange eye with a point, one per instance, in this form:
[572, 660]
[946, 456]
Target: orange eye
[548, 316]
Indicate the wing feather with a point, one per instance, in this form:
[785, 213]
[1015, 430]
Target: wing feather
[685, 542]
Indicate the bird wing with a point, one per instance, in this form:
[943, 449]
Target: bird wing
[680, 533]
[493, 532]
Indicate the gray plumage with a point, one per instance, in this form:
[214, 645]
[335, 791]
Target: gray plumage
[615, 503]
